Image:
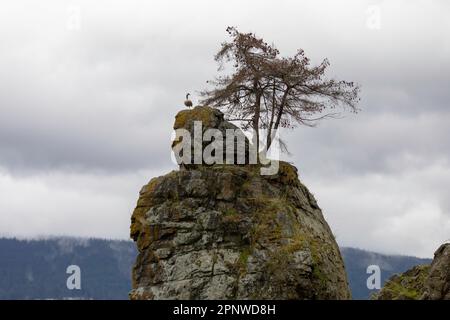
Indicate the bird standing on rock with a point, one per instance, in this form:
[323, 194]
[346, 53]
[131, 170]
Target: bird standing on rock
[187, 102]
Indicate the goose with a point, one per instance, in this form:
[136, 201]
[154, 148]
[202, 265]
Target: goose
[187, 102]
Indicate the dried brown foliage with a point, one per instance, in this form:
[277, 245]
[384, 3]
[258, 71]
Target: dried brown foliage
[266, 91]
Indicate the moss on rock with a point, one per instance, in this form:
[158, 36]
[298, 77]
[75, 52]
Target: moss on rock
[228, 232]
[409, 285]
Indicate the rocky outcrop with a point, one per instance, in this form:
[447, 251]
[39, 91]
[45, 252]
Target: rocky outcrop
[421, 282]
[228, 232]
[210, 118]
[437, 285]
[409, 285]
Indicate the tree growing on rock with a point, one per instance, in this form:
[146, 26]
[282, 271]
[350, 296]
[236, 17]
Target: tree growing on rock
[267, 91]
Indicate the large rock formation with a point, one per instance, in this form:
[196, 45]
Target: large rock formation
[228, 232]
[210, 119]
[409, 285]
[423, 282]
[437, 285]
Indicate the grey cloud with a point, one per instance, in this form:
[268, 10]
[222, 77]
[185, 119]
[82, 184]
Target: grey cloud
[96, 98]
[100, 101]
[380, 143]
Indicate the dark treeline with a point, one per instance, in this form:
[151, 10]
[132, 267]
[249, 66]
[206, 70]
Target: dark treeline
[36, 269]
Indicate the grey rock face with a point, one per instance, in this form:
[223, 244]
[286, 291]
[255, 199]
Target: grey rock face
[437, 285]
[424, 282]
[227, 232]
[211, 118]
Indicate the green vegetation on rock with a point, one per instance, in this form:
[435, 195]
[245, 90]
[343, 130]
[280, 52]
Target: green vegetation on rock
[228, 232]
[409, 285]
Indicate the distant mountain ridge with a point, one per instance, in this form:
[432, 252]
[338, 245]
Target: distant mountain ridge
[356, 263]
[36, 269]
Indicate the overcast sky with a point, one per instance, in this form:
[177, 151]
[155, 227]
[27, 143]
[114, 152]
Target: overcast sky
[89, 90]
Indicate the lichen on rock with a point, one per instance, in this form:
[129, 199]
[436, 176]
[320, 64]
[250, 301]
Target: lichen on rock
[437, 285]
[228, 232]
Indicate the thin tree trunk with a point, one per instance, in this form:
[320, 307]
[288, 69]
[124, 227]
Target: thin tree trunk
[256, 120]
[280, 111]
[272, 117]
[257, 113]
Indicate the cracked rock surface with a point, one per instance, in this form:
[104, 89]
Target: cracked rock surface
[228, 232]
